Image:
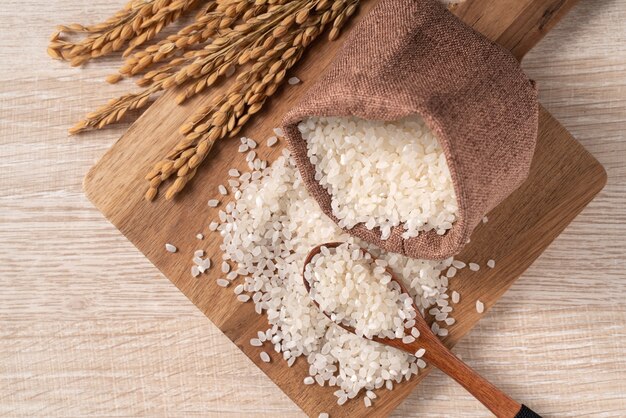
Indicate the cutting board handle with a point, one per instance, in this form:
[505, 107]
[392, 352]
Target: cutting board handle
[515, 24]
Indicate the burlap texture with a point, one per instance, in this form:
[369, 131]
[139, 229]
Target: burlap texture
[414, 57]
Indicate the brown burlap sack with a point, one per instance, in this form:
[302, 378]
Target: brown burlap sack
[414, 57]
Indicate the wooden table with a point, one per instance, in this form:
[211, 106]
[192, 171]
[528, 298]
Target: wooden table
[88, 327]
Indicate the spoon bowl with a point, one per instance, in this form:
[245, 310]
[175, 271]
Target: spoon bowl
[419, 320]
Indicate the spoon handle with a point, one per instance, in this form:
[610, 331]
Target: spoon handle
[493, 398]
[526, 412]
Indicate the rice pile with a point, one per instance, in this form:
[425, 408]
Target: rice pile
[382, 174]
[357, 291]
[267, 233]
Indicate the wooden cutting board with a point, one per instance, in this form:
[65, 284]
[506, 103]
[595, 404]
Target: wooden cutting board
[564, 178]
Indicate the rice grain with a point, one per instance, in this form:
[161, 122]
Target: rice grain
[271, 141]
[455, 296]
[480, 307]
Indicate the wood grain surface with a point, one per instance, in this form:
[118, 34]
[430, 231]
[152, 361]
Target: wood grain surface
[89, 328]
[564, 178]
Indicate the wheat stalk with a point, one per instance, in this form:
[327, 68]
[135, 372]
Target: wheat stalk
[206, 25]
[236, 48]
[138, 22]
[114, 110]
[227, 114]
[219, 58]
[260, 39]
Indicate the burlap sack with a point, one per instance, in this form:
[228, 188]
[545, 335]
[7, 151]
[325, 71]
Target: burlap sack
[414, 57]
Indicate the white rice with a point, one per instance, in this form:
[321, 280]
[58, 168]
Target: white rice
[458, 264]
[271, 141]
[267, 234]
[382, 174]
[456, 297]
[357, 291]
[408, 339]
[171, 248]
[491, 264]
[200, 264]
[195, 272]
[213, 203]
[480, 307]
[265, 357]
[206, 263]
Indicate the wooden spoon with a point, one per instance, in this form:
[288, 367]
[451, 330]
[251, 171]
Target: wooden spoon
[439, 355]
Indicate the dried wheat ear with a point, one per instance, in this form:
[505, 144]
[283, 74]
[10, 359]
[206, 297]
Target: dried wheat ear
[253, 42]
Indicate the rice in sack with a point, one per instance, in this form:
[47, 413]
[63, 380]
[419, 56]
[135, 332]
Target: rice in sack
[413, 62]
